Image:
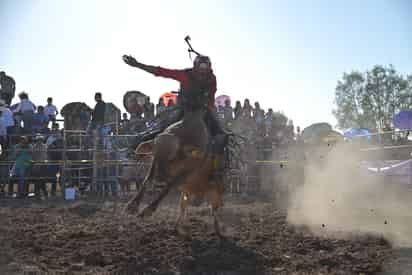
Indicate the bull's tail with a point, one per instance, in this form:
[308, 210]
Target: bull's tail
[133, 205]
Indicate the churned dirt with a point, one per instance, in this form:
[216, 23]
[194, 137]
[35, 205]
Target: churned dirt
[98, 238]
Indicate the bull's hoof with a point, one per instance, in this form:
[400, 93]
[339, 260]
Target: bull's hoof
[183, 230]
[132, 209]
[147, 212]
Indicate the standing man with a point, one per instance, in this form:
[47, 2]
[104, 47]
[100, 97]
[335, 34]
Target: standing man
[50, 110]
[26, 108]
[7, 88]
[98, 113]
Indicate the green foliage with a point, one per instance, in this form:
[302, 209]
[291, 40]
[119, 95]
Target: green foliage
[371, 99]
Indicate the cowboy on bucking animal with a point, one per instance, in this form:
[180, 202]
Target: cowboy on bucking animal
[197, 90]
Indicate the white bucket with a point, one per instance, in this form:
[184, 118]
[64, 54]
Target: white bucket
[69, 193]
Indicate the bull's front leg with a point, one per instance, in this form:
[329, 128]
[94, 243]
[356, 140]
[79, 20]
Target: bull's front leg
[216, 222]
[183, 203]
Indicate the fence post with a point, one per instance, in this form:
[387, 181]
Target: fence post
[95, 166]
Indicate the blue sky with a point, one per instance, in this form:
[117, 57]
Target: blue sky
[288, 55]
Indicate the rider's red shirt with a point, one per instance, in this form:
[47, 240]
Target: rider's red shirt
[183, 78]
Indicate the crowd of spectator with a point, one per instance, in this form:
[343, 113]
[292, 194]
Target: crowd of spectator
[28, 129]
[258, 126]
[25, 119]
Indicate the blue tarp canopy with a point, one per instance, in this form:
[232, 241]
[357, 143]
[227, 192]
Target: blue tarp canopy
[353, 132]
[403, 120]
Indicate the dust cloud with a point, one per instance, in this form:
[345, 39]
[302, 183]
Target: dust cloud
[340, 197]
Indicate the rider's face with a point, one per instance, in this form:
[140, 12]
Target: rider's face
[202, 70]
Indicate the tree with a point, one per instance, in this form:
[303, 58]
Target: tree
[371, 99]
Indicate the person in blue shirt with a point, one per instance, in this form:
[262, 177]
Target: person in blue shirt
[40, 121]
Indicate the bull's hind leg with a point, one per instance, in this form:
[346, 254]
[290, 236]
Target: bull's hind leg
[215, 199]
[215, 213]
[148, 211]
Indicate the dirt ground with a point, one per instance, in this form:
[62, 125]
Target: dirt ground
[97, 238]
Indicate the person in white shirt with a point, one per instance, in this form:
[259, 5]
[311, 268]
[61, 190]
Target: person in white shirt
[7, 115]
[3, 133]
[6, 124]
[50, 110]
[27, 109]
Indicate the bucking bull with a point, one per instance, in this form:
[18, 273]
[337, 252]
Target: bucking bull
[183, 157]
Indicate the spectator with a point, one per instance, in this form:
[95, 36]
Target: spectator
[98, 116]
[26, 108]
[23, 157]
[124, 124]
[246, 111]
[40, 121]
[220, 112]
[50, 110]
[3, 133]
[7, 120]
[238, 108]
[39, 154]
[98, 113]
[137, 123]
[269, 117]
[298, 135]
[7, 88]
[84, 117]
[160, 107]
[228, 113]
[290, 131]
[124, 120]
[170, 104]
[149, 110]
[259, 116]
[54, 135]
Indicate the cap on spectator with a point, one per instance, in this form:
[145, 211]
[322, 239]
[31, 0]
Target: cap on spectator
[39, 137]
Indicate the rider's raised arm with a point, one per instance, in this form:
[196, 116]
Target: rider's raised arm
[178, 75]
[146, 68]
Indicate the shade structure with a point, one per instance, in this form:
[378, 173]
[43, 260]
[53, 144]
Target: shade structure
[134, 101]
[316, 130]
[403, 120]
[333, 136]
[220, 100]
[169, 96]
[355, 132]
